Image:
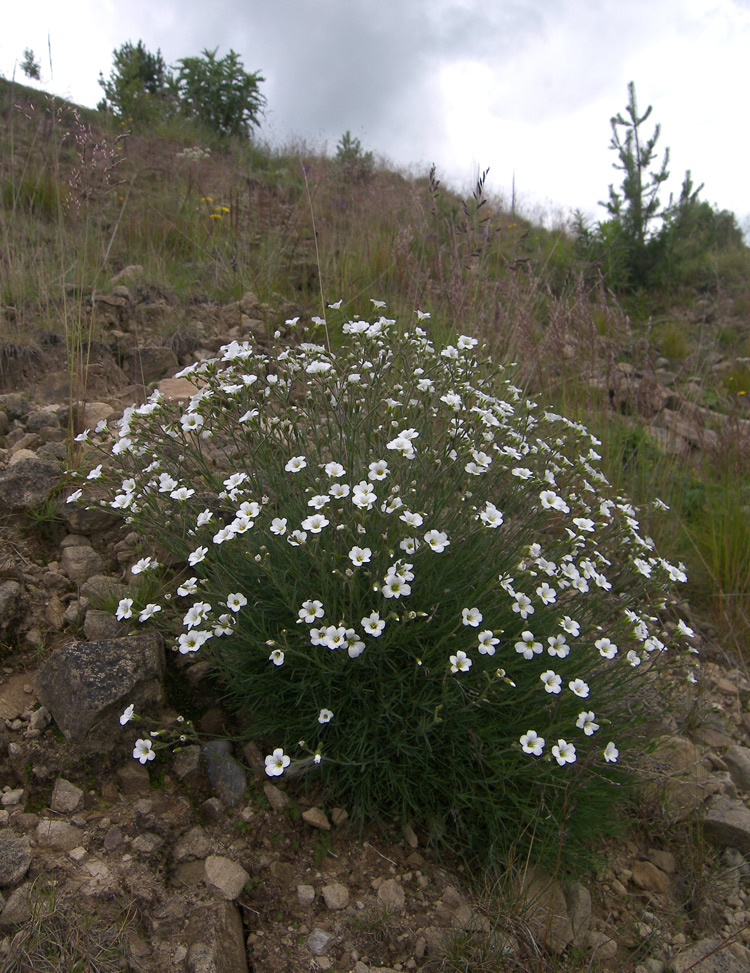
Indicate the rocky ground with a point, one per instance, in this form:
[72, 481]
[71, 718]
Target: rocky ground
[198, 862]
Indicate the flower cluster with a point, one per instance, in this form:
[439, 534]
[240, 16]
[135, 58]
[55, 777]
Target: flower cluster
[396, 534]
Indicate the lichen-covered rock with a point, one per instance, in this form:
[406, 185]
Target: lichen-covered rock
[87, 685]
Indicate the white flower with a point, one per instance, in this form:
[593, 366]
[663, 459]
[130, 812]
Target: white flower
[276, 763]
[196, 614]
[551, 501]
[685, 629]
[354, 644]
[522, 473]
[471, 616]
[402, 445]
[236, 601]
[127, 716]
[295, 464]
[522, 605]
[75, 495]
[148, 612]
[277, 657]
[409, 545]
[319, 501]
[531, 742]
[144, 751]
[296, 538]
[437, 540]
[491, 516]
[633, 658]
[167, 483]
[570, 626]
[378, 470]
[464, 342]
[584, 524]
[527, 647]
[225, 534]
[558, 646]
[334, 637]
[95, 473]
[487, 642]
[373, 624]
[145, 564]
[395, 587]
[124, 609]
[197, 556]
[278, 526]
[334, 469]
[564, 753]
[460, 662]
[325, 716]
[339, 490]
[546, 593]
[411, 519]
[189, 587]
[315, 524]
[586, 722]
[363, 495]
[552, 682]
[205, 517]
[360, 555]
[192, 641]
[579, 688]
[191, 422]
[607, 648]
[311, 610]
[611, 753]
[182, 493]
[422, 315]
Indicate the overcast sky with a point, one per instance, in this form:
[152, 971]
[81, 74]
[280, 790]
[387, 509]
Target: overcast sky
[524, 87]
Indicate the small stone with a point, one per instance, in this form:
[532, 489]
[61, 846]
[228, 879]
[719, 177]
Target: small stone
[707, 956]
[318, 941]
[339, 816]
[224, 773]
[305, 895]
[12, 798]
[604, 947]
[647, 876]
[282, 873]
[336, 896]
[225, 876]
[133, 779]
[113, 839]
[276, 797]
[411, 836]
[316, 818]
[391, 896]
[187, 761]
[66, 797]
[58, 834]
[15, 858]
[16, 909]
[664, 860]
[195, 843]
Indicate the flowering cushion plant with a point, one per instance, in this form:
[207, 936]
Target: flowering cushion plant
[396, 562]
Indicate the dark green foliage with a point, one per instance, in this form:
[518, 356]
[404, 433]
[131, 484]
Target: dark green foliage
[30, 66]
[355, 165]
[220, 93]
[139, 84]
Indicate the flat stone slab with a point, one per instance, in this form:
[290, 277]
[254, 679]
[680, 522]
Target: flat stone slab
[727, 822]
[87, 685]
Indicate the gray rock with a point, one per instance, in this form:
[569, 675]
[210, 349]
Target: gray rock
[26, 482]
[81, 563]
[226, 877]
[15, 405]
[10, 592]
[318, 941]
[578, 903]
[727, 822]
[275, 796]
[187, 761]
[15, 857]
[87, 685]
[604, 948]
[43, 418]
[647, 876]
[391, 896]
[336, 896]
[193, 844]
[66, 797]
[215, 938]
[133, 779]
[707, 956]
[305, 895]
[547, 913]
[87, 520]
[98, 625]
[737, 760]
[58, 835]
[16, 909]
[316, 819]
[226, 776]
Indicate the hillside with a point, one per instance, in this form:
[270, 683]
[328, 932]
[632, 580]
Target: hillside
[125, 258]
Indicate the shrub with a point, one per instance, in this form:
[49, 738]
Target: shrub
[406, 577]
